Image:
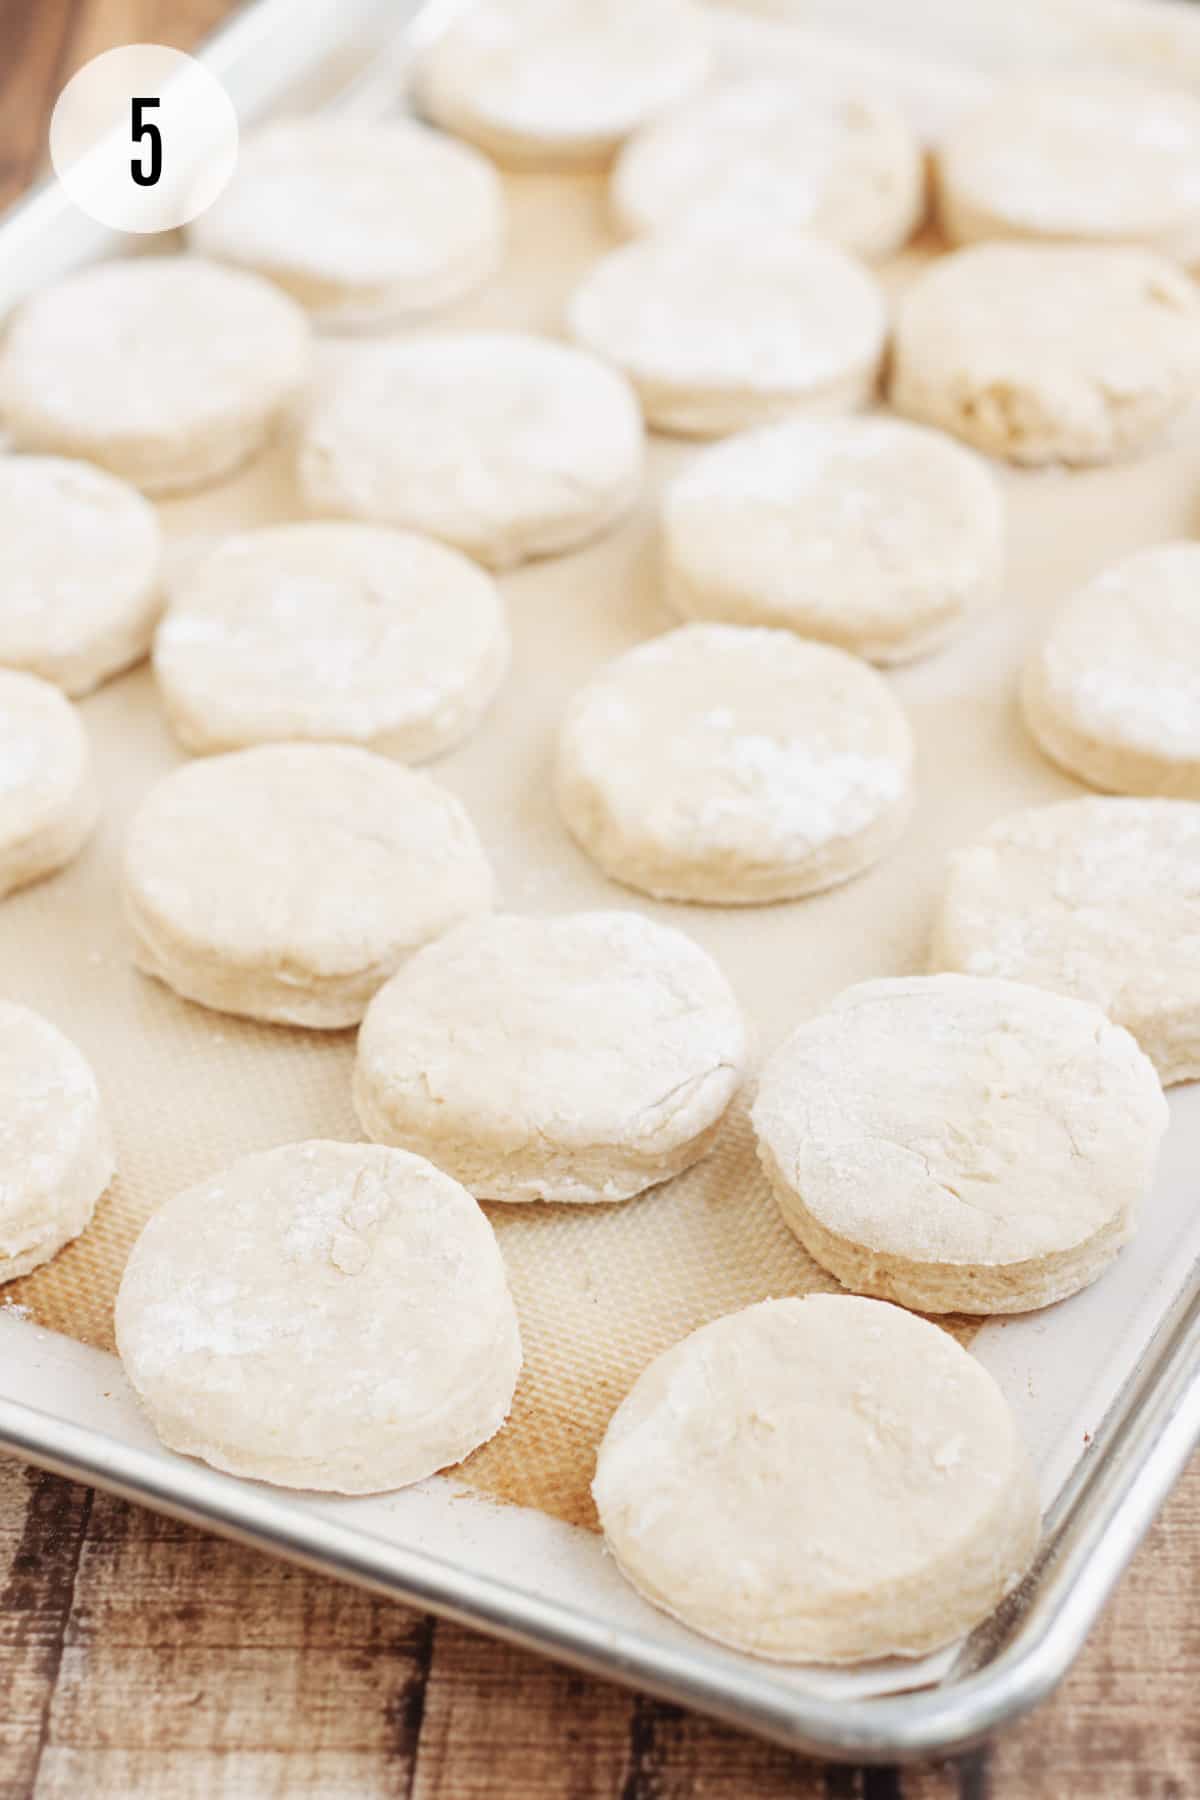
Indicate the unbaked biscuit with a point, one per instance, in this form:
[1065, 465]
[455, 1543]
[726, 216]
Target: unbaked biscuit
[1046, 352]
[512, 446]
[56, 1153]
[1113, 691]
[781, 152]
[328, 1316]
[331, 633]
[1095, 898]
[581, 1058]
[1093, 155]
[819, 1480]
[363, 222]
[48, 802]
[193, 370]
[722, 330]
[289, 881]
[734, 765]
[958, 1144]
[79, 572]
[871, 534]
[559, 83]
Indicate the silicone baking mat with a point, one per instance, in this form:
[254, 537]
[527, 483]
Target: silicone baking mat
[600, 1291]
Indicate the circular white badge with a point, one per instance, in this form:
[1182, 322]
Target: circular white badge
[143, 138]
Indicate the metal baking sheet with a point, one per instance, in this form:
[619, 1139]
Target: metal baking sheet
[1104, 1385]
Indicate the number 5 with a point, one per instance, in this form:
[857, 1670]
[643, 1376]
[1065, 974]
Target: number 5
[142, 131]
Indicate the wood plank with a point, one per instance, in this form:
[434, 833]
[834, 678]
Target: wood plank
[43, 42]
[498, 1721]
[14, 1500]
[958, 1778]
[33, 40]
[182, 1646]
[180, 1676]
[1127, 1723]
[676, 1753]
[46, 1531]
[199, 1775]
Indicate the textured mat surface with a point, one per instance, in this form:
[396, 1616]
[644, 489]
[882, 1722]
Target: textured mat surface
[600, 1291]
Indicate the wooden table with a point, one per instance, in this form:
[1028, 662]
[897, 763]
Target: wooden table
[138, 1657]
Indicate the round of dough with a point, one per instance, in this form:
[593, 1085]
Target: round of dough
[328, 1316]
[289, 881]
[819, 1480]
[362, 222]
[187, 373]
[1048, 353]
[870, 534]
[56, 1154]
[512, 446]
[559, 83]
[1113, 693]
[960, 1145]
[349, 633]
[720, 331]
[733, 765]
[79, 572]
[1095, 898]
[1097, 156]
[581, 1058]
[783, 153]
[48, 804]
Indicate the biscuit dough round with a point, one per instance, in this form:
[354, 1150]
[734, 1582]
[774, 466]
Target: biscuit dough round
[1087, 155]
[559, 83]
[719, 331]
[360, 221]
[871, 534]
[819, 1480]
[48, 803]
[581, 1058]
[79, 572]
[1113, 692]
[960, 1145]
[327, 1316]
[734, 765]
[289, 881]
[56, 1153]
[843, 166]
[343, 633]
[192, 371]
[1096, 898]
[1048, 353]
[512, 446]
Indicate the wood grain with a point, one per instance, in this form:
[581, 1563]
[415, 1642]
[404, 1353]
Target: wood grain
[43, 42]
[139, 1658]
